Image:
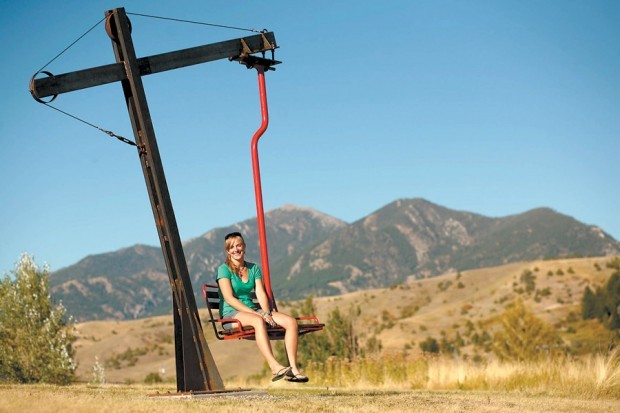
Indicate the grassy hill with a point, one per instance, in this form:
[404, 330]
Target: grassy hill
[402, 316]
[445, 305]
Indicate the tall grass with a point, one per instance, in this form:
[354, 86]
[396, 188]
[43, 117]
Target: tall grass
[597, 376]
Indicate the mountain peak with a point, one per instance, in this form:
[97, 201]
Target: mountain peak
[325, 219]
[311, 252]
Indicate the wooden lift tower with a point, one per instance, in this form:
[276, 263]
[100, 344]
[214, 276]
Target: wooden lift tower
[195, 368]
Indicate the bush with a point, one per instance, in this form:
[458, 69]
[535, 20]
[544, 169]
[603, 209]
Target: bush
[524, 337]
[529, 280]
[36, 339]
[98, 372]
[338, 338]
[153, 378]
[430, 345]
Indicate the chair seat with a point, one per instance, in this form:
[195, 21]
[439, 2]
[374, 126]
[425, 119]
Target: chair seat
[306, 324]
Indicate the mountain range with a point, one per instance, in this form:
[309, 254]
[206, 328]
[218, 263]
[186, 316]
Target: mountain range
[313, 253]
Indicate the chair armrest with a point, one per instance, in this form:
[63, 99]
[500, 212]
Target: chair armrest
[308, 317]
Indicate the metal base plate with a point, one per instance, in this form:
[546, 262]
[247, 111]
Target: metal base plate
[213, 393]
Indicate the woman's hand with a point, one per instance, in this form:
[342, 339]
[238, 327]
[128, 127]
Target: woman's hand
[269, 320]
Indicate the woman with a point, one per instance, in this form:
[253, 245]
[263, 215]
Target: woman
[236, 279]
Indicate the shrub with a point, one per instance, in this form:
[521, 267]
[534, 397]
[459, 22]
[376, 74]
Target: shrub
[430, 345]
[373, 345]
[153, 378]
[524, 337]
[98, 373]
[529, 279]
[444, 285]
[36, 339]
[409, 311]
[338, 339]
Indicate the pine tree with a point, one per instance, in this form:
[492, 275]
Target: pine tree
[590, 305]
[36, 339]
[611, 302]
[604, 304]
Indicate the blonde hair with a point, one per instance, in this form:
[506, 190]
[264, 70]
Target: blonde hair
[228, 241]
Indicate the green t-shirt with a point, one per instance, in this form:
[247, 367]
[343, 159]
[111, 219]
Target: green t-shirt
[241, 290]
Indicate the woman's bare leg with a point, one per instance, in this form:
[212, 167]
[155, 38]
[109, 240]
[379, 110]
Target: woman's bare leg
[262, 339]
[291, 338]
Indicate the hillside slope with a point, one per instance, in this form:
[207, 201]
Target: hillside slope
[401, 317]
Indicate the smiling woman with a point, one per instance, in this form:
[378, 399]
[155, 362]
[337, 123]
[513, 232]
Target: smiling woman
[236, 279]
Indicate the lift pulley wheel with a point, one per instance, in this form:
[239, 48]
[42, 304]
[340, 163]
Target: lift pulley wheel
[33, 91]
[111, 30]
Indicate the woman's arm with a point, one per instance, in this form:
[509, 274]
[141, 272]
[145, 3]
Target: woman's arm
[263, 300]
[227, 293]
[261, 295]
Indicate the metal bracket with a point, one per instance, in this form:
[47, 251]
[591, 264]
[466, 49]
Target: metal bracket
[266, 44]
[254, 61]
[246, 58]
[246, 49]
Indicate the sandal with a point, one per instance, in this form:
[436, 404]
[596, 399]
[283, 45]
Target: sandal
[297, 378]
[280, 373]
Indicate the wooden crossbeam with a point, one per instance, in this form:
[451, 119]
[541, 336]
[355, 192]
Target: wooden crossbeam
[196, 369]
[101, 75]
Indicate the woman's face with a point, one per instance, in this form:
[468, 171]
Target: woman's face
[236, 249]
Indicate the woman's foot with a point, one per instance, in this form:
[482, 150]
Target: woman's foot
[296, 377]
[280, 373]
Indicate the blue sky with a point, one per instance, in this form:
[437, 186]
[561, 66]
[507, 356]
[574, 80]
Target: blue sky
[493, 107]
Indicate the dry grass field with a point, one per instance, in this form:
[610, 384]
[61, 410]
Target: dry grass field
[118, 398]
[130, 350]
[397, 379]
[446, 303]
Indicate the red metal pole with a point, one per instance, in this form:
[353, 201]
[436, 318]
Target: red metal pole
[260, 213]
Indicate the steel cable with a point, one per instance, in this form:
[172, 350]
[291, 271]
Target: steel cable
[110, 133]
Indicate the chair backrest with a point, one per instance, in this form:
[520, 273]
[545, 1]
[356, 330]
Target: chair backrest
[212, 297]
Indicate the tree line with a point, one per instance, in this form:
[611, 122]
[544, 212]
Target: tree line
[603, 303]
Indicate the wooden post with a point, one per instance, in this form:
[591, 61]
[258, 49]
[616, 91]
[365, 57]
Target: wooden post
[195, 367]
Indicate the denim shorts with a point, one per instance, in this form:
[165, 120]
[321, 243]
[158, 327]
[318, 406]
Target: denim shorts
[230, 325]
[233, 314]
